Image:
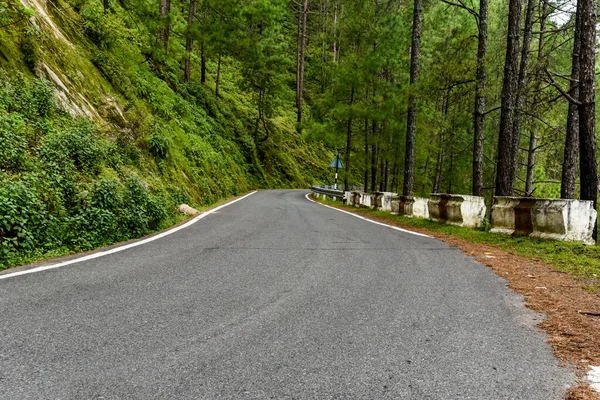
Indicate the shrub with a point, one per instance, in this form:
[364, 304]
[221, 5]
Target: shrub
[22, 218]
[13, 144]
[76, 145]
[158, 145]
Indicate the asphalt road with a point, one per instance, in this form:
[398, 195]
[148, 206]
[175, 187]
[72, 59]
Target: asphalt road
[273, 297]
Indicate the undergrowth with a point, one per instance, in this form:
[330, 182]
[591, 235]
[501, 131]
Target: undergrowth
[73, 180]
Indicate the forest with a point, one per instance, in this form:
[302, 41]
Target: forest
[113, 112]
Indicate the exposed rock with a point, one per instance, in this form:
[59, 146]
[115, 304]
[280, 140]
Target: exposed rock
[187, 210]
[110, 110]
[41, 15]
[76, 105]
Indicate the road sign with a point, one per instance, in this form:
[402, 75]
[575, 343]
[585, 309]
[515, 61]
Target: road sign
[337, 162]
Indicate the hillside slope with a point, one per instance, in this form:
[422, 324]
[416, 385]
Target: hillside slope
[102, 139]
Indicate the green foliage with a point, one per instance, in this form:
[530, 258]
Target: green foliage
[76, 182]
[76, 146]
[11, 12]
[14, 144]
[158, 145]
[22, 217]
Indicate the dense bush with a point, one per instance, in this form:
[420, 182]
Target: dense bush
[67, 188]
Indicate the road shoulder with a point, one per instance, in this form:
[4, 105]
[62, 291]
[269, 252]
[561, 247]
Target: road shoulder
[572, 311]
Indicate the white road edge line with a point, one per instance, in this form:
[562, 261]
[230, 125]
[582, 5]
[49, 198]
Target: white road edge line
[369, 220]
[594, 378]
[124, 247]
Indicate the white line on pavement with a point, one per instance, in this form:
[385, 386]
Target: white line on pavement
[367, 219]
[594, 378]
[124, 247]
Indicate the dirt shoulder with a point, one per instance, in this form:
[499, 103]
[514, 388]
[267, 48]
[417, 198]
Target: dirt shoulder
[573, 312]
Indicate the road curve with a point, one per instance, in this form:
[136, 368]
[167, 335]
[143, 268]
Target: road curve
[274, 297]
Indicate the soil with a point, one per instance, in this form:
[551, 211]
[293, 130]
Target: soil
[572, 312]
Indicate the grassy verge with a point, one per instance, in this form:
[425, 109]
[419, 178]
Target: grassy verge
[576, 259]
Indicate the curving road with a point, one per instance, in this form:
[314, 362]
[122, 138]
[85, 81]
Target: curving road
[273, 297]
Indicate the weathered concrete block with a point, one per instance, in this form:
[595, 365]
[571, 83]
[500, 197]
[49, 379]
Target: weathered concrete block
[383, 200]
[420, 207]
[367, 200]
[457, 209]
[559, 219]
[410, 206]
[405, 206]
[503, 215]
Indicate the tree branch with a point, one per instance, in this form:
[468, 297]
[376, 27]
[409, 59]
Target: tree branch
[560, 89]
[462, 5]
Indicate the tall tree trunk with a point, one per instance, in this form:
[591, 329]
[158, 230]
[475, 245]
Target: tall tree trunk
[349, 142]
[298, 51]
[366, 185]
[531, 160]
[532, 152]
[506, 156]
[588, 164]
[218, 78]
[203, 63]
[451, 169]
[163, 33]
[411, 123]
[335, 49]
[386, 176]
[438, 167]
[445, 108]
[301, 57]
[385, 179]
[425, 173]
[374, 153]
[522, 84]
[569, 169]
[106, 6]
[480, 100]
[395, 176]
[188, 40]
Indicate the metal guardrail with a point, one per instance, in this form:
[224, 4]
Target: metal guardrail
[327, 190]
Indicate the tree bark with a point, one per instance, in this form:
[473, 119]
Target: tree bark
[203, 63]
[374, 153]
[366, 185]
[106, 6]
[480, 100]
[438, 166]
[218, 78]
[522, 84]
[440, 156]
[506, 155]
[349, 142]
[335, 49]
[188, 40]
[411, 123]
[163, 33]
[588, 164]
[569, 169]
[301, 58]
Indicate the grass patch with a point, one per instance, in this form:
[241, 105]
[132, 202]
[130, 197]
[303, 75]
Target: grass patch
[576, 259]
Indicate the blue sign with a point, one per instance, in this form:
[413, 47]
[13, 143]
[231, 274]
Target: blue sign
[337, 162]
